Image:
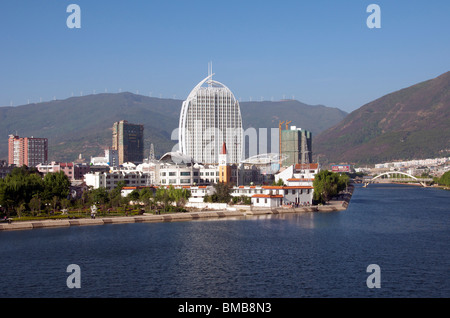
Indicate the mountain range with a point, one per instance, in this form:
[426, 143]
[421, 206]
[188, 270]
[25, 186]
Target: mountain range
[412, 123]
[83, 125]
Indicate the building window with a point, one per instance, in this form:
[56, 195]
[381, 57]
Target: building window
[172, 174]
[185, 173]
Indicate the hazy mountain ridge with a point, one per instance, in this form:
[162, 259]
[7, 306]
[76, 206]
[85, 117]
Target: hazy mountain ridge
[84, 124]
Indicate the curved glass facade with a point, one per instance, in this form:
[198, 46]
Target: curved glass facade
[209, 117]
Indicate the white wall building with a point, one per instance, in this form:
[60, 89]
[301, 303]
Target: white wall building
[276, 196]
[209, 117]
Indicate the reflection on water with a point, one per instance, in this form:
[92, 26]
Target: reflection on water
[403, 229]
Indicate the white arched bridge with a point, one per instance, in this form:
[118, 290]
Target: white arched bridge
[397, 177]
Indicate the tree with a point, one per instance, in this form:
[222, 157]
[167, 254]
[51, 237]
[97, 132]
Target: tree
[343, 181]
[326, 185]
[444, 179]
[19, 187]
[20, 208]
[146, 196]
[35, 204]
[133, 196]
[162, 196]
[99, 195]
[280, 182]
[179, 196]
[56, 184]
[222, 193]
[55, 201]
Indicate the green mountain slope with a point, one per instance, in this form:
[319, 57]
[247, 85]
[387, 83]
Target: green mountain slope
[84, 124]
[411, 123]
[268, 114]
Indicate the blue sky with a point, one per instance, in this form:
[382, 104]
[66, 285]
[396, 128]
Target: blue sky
[318, 52]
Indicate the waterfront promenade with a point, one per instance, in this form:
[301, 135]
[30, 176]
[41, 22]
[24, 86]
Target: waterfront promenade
[171, 217]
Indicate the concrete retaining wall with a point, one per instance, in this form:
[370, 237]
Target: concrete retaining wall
[185, 216]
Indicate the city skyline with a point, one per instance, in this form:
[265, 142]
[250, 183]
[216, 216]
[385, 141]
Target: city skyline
[316, 52]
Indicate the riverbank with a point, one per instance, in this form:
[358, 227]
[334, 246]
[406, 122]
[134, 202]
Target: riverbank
[180, 216]
[332, 206]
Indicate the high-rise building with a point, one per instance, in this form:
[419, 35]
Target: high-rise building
[128, 140]
[27, 151]
[209, 117]
[296, 145]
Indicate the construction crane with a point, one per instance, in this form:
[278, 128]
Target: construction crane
[279, 127]
[287, 124]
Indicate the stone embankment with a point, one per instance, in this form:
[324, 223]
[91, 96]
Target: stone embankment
[339, 205]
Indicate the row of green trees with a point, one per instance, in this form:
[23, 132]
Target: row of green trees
[444, 180]
[328, 184]
[163, 199]
[25, 189]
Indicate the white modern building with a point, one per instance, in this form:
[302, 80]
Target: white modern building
[111, 158]
[131, 175]
[209, 117]
[298, 174]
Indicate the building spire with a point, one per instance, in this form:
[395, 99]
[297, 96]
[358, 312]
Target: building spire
[224, 149]
[210, 73]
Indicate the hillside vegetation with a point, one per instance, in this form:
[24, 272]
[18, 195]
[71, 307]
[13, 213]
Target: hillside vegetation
[411, 123]
[83, 125]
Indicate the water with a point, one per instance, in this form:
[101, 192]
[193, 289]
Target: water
[403, 229]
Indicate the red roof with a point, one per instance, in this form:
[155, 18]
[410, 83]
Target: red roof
[298, 187]
[267, 196]
[306, 166]
[224, 149]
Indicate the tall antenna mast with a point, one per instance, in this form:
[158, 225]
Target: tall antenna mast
[210, 73]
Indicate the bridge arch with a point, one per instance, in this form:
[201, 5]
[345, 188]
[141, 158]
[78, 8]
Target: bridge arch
[396, 172]
[393, 176]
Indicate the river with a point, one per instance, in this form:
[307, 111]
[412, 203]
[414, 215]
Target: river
[405, 230]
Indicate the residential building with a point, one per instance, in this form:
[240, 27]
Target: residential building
[74, 171]
[27, 151]
[128, 141]
[296, 145]
[5, 169]
[276, 196]
[109, 180]
[130, 174]
[298, 174]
